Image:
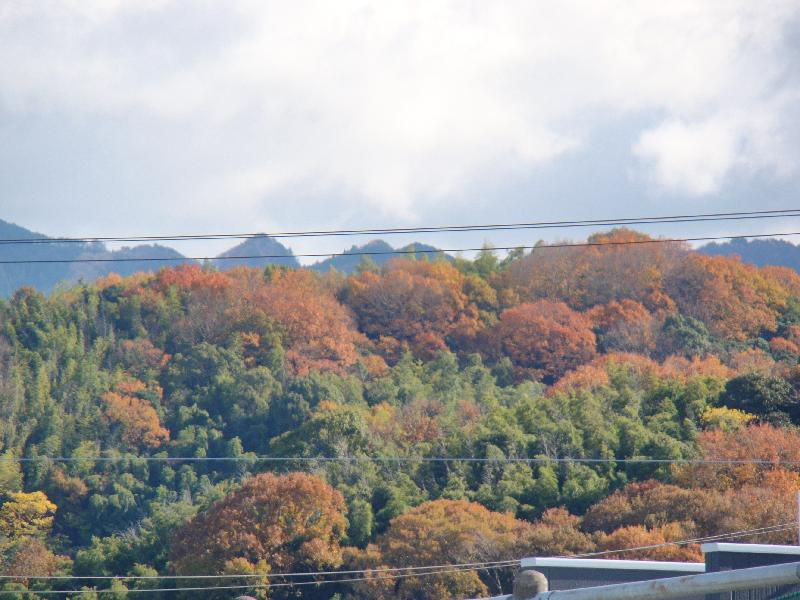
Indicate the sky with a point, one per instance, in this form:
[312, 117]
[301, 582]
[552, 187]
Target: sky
[143, 117]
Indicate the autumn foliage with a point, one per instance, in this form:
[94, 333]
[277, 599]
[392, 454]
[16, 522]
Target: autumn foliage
[288, 523]
[598, 355]
[135, 417]
[316, 330]
[416, 303]
[544, 339]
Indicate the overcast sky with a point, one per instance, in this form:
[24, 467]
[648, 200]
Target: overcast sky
[149, 117]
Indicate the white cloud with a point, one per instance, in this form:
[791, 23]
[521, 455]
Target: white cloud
[401, 105]
[696, 157]
[692, 158]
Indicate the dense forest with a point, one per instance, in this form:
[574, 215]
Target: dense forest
[325, 396]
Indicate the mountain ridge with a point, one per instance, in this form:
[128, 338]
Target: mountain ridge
[56, 258]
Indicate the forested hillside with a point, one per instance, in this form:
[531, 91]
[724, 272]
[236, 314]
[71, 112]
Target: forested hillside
[256, 421]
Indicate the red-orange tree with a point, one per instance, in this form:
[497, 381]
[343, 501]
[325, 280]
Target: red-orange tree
[292, 522]
[443, 532]
[135, 418]
[544, 338]
[618, 264]
[317, 331]
[625, 326]
[733, 299]
[757, 495]
[419, 303]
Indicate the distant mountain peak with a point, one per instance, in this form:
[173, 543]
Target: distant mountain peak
[761, 252]
[379, 251]
[261, 245]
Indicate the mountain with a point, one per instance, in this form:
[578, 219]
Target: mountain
[128, 260]
[19, 244]
[758, 252]
[376, 251]
[257, 246]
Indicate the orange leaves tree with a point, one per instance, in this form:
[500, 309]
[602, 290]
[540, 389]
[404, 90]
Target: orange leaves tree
[444, 532]
[733, 299]
[653, 543]
[757, 494]
[651, 513]
[292, 522]
[316, 330]
[617, 264]
[418, 303]
[133, 416]
[624, 326]
[545, 339]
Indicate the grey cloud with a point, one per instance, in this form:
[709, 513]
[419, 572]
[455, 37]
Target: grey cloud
[185, 116]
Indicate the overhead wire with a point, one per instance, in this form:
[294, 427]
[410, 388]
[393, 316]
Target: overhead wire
[698, 540]
[400, 252]
[429, 570]
[470, 565]
[403, 459]
[686, 218]
[391, 573]
[392, 576]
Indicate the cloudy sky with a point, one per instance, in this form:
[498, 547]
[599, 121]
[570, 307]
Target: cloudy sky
[176, 116]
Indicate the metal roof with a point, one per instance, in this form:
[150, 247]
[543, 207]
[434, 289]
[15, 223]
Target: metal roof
[620, 565]
[749, 548]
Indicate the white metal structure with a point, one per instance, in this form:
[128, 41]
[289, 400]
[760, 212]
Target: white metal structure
[618, 565]
[687, 585]
[749, 548]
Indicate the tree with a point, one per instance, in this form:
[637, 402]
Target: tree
[732, 454]
[684, 335]
[137, 420]
[557, 533]
[732, 299]
[766, 397]
[317, 331]
[26, 515]
[30, 558]
[445, 532]
[623, 326]
[292, 522]
[544, 338]
[656, 506]
[638, 536]
[616, 265]
[422, 304]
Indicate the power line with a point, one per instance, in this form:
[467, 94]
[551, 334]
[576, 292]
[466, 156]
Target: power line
[403, 459]
[472, 565]
[690, 218]
[699, 540]
[399, 252]
[258, 585]
[384, 573]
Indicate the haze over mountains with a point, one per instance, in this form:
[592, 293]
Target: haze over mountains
[99, 260]
[45, 276]
[758, 252]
